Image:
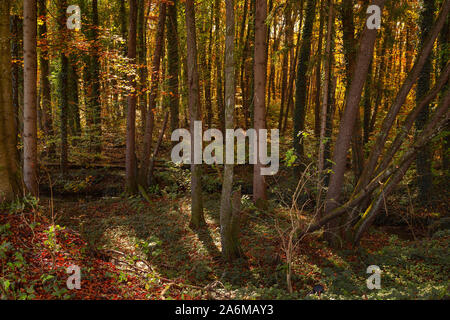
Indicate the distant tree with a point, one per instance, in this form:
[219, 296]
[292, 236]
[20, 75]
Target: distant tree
[445, 57]
[123, 24]
[301, 84]
[150, 118]
[423, 161]
[95, 103]
[45, 75]
[63, 86]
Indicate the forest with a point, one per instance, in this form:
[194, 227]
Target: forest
[224, 150]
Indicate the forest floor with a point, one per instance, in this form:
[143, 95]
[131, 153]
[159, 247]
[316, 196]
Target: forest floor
[143, 248]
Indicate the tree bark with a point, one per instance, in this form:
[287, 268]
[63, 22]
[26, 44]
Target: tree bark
[45, 74]
[63, 88]
[445, 57]
[197, 218]
[130, 161]
[30, 173]
[173, 65]
[390, 118]
[219, 71]
[326, 113]
[142, 61]
[150, 119]
[351, 110]
[317, 109]
[301, 84]
[229, 205]
[423, 161]
[260, 74]
[9, 162]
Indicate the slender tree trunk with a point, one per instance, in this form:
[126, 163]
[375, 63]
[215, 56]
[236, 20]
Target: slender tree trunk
[207, 79]
[142, 60]
[424, 157]
[63, 88]
[445, 57]
[150, 119]
[260, 74]
[317, 110]
[379, 86]
[45, 76]
[301, 84]
[243, 45]
[30, 174]
[123, 25]
[197, 218]
[350, 47]
[293, 57]
[219, 71]
[16, 26]
[288, 37]
[173, 65]
[326, 89]
[73, 101]
[229, 208]
[131, 113]
[367, 104]
[9, 161]
[95, 99]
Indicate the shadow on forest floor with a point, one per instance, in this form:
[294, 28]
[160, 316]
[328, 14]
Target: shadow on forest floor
[159, 233]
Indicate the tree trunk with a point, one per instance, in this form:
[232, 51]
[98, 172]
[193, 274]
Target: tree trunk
[219, 71]
[142, 60]
[288, 38]
[317, 109]
[390, 118]
[45, 75]
[351, 110]
[424, 157]
[350, 47]
[173, 65]
[260, 74]
[445, 57]
[130, 161]
[95, 98]
[301, 84]
[197, 218]
[30, 174]
[229, 205]
[325, 112]
[150, 119]
[9, 162]
[73, 101]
